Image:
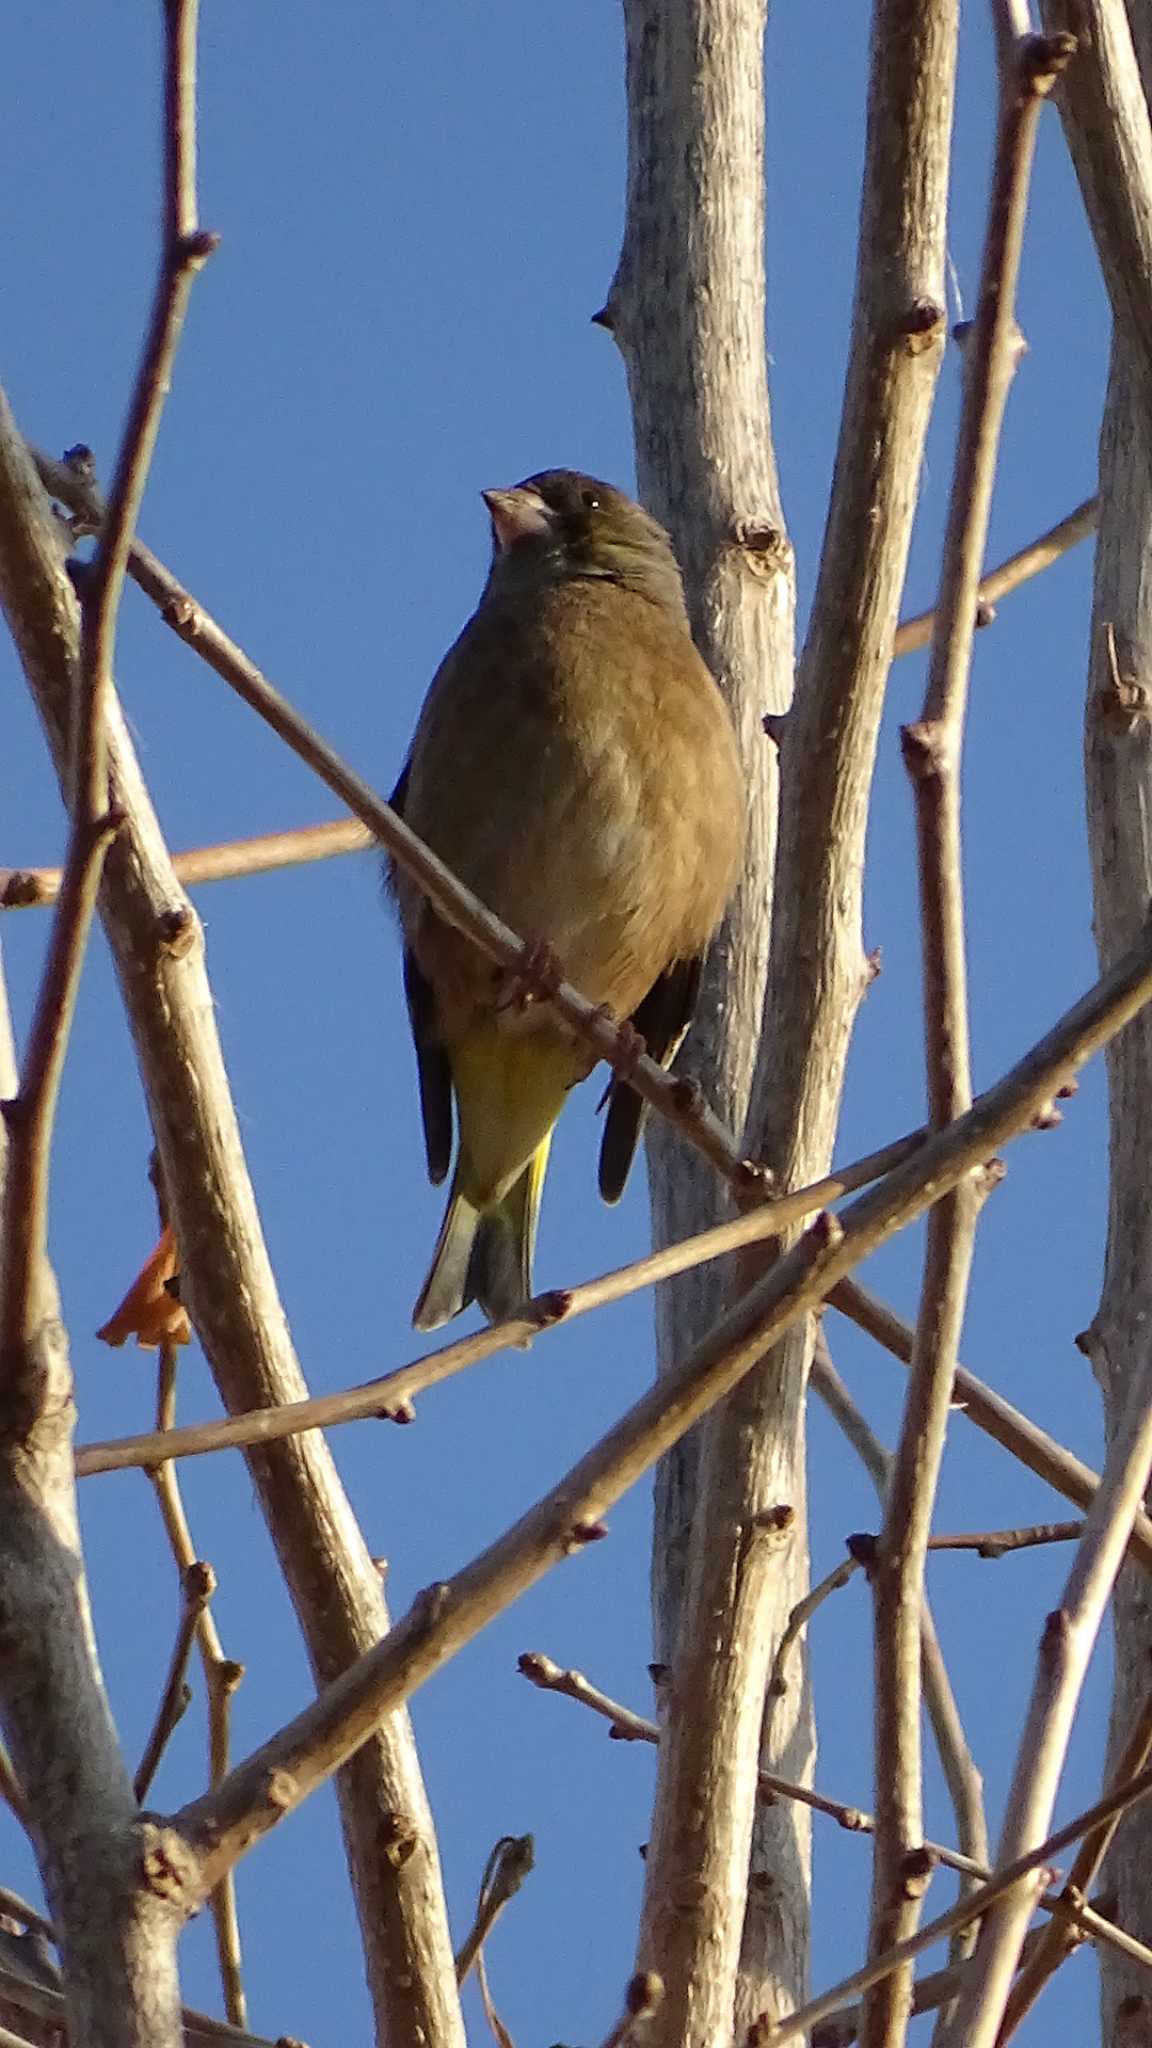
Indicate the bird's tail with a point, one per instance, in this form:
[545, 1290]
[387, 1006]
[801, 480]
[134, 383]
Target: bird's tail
[484, 1255]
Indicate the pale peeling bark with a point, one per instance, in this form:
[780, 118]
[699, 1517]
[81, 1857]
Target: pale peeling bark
[1118, 764]
[1106, 117]
[688, 308]
[687, 311]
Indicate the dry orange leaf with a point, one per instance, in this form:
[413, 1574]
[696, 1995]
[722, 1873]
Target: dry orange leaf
[149, 1312]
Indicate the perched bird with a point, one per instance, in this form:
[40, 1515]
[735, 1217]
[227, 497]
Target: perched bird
[575, 765]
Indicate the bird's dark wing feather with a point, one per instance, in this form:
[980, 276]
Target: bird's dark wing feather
[661, 1019]
[431, 1058]
[434, 1071]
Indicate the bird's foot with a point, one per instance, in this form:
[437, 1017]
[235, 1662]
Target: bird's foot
[631, 1046]
[535, 978]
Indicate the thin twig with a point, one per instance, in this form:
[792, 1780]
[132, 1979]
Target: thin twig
[938, 1987]
[121, 1954]
[31, 1117]
[1015, 1432]
[222, 1676]
[158, 951]
[259, 1792]
[1065, 1647]
[197, 1586]
[627, 1726]
[34, 888]
[1056, 1941]
[964, 1782]
[975, 1906]
[1003, 1542]
[932, 752]
[391, 1396]
[916, 632]
[511, 1861]
[801, 1615]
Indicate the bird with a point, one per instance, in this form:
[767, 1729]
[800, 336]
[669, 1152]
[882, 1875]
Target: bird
[575, 764]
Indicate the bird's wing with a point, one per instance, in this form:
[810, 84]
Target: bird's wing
[431, 1059]
[662, 1020]
[433, 1069]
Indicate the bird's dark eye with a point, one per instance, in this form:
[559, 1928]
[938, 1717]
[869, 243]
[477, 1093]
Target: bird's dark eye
[590, 501]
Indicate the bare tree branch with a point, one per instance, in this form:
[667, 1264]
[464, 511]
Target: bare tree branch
[225, 1824]
[1015, 1432]
[102, 1866]
[156, 943]
[965, 1784]
[1065, 1648]
[391, 1396]
[1109, 137]
[511, 1861]
[33, 888]
[1048, 547]
[1027, 1869]
[1104, 102]
[197, 1586]
[222, 1676]
[1059, 1939]
[932, 751]
[707, 1829]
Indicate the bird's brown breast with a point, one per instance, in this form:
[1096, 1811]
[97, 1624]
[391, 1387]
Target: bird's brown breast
[576, 766]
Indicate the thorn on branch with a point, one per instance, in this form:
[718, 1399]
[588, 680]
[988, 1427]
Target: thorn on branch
[583, 1533]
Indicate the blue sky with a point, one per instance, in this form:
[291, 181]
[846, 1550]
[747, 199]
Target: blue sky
[420, 211]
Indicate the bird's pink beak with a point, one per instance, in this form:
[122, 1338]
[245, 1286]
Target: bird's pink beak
[516, 513]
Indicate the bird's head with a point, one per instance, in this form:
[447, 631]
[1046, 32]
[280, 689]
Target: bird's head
[560, 525]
